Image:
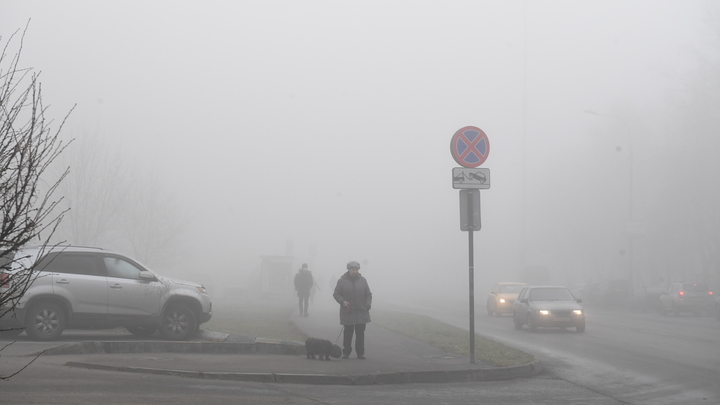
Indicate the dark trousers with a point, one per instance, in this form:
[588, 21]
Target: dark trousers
[359, 331]
[303, 304]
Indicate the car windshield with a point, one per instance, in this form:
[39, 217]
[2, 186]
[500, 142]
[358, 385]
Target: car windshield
[695, 287]
[551, 294]
[7, 260]
[510, 289]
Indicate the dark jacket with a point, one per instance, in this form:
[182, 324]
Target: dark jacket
[357, 293]
[303, 282]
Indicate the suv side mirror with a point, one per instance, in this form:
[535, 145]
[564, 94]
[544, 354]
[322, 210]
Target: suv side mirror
[524, 300]
[579, 300]
[493, 292]
[146, 275]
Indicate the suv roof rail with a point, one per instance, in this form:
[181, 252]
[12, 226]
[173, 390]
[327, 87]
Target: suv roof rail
[51, 246]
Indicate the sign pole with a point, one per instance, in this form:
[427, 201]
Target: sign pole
[471, 271]
[471, 274]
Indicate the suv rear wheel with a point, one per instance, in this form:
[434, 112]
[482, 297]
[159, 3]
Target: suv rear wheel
[45, 321]
[178, 323]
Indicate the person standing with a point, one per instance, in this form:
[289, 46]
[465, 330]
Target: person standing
[353, 294]
[303, 284]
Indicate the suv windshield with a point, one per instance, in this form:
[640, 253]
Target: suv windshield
[6, 260]
[551, 294]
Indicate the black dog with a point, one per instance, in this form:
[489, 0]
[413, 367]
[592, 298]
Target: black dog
[323, 348]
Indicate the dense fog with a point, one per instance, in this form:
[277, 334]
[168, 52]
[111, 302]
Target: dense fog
[318, 132]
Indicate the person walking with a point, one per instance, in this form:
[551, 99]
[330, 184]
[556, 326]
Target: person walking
[303, 284]
[353, 294]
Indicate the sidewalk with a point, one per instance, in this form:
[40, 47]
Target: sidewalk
[390, 358]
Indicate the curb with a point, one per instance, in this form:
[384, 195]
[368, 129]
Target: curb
[404, 377]
[215, 343]
[260, 347]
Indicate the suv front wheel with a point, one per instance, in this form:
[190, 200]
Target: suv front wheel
[45, 321]
[178, 323]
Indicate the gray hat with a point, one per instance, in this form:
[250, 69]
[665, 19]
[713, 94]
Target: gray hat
[353, 264]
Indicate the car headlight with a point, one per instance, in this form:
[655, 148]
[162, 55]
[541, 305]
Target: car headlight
[577, 312]
[502, 300]
[544, 312]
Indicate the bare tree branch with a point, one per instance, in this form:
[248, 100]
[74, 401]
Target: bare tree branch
[28, 146]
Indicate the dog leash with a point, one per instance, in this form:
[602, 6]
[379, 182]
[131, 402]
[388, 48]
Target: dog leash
[341, 331]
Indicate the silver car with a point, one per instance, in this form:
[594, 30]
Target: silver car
[80, 287]
[686, 297]
[548, 306]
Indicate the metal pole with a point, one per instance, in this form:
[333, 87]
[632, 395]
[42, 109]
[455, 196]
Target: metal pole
[472, 298]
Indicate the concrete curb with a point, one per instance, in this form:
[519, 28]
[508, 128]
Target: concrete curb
[174, 347]
[404, 377]
[215, 343]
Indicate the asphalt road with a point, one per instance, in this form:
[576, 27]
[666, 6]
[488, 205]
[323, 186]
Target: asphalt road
[635, 357]
[49, 381]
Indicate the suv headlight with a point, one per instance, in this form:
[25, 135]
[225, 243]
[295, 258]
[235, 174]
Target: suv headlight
[544, 312]
[577, 312]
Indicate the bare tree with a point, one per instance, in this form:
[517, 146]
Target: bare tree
[120, 204]
[152, 221]
[28, 146]
[96, 192]
[687, 218]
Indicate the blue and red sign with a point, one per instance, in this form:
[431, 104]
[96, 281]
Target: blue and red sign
[470, 146]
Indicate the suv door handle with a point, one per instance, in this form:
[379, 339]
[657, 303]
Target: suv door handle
[62, 281]
[116, 285]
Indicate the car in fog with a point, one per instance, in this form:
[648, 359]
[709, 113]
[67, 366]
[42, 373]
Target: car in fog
[647, 298]
[501, 298]
[548, 307]
[81, 287]
[693, 298]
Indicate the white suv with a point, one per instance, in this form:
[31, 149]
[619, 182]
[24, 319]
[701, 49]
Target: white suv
[80, 287]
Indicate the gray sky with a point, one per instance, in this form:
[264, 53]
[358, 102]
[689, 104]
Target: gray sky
[328, 123]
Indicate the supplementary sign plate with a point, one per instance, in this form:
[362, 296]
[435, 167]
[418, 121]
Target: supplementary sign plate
[464, 178]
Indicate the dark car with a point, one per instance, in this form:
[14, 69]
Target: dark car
[614, 294]
[548, 306]
[647, 298]
[694, 298]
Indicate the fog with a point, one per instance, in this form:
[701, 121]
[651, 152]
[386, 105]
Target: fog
[320, 131]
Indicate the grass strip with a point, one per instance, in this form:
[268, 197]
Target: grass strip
[271, 323]
[449, 338]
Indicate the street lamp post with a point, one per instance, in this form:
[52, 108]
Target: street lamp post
[629, 226]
